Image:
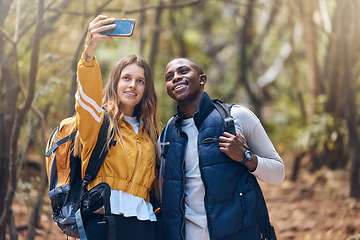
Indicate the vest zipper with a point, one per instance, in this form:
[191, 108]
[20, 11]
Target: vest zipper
[183, 199]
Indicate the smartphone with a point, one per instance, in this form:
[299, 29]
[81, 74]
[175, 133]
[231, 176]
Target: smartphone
[124, 28]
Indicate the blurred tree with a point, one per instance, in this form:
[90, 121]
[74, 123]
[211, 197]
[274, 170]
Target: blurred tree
[332, 105]
[341, 76]
[307, 8]
[77, 54]
[12, 114]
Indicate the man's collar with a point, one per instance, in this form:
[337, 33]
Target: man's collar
[205, 108]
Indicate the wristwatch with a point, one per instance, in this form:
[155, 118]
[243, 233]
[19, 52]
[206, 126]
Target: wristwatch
[247, 156]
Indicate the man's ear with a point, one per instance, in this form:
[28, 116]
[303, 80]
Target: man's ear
[203, 79]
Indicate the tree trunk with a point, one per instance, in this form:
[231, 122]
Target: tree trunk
[341, 94]
[333, 73]
[155, 36]
[35, 216]
[7, 114]
[350, 32]
[20, 115]
[178, 37]
[142, 27]
[307, 7]
[246, 36]
[12, 227]
[7, 123]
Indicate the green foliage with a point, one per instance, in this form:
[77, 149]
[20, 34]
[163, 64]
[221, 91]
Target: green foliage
[210, 33]
[320, 132]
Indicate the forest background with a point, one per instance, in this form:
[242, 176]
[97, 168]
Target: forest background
[294, 63]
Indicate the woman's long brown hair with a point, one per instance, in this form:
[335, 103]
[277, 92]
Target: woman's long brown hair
[145, 111]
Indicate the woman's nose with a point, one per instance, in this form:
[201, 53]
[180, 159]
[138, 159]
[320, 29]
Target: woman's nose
[132, 83]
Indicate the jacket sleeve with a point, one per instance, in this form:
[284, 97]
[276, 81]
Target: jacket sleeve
[88, 97]
[270, 167]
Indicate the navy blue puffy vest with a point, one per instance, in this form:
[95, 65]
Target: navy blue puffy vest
[233, 198]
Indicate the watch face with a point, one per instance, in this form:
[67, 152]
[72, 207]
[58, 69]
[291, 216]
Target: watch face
[248, 154]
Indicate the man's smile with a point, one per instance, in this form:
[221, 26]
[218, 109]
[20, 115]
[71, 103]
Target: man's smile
[180, 86]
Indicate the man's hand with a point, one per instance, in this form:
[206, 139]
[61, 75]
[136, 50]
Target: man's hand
[234, 147]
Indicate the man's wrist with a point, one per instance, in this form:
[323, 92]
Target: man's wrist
[247, 157]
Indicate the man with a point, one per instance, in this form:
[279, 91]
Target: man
[210, 189]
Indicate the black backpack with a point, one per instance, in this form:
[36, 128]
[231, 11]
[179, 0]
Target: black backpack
[70, 201]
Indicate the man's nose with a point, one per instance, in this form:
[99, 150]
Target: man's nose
[177, 76]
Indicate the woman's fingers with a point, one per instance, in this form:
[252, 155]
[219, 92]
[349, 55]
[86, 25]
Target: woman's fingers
[102, 25]
[96, 26]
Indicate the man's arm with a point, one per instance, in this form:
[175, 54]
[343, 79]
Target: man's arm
[266, 164]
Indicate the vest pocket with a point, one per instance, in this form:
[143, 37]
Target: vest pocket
[242, 203]
[249, 208]
[210, 140]
[227, 217]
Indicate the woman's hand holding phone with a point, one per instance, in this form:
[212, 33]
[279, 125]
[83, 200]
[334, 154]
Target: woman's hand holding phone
[96, 26]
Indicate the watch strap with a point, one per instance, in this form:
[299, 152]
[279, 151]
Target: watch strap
[246, 159]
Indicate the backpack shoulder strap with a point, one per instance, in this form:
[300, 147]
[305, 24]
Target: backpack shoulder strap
[60, 142]
[165, 136]
[96, 160]
[99, 153]
[164, 144]
[224, 110]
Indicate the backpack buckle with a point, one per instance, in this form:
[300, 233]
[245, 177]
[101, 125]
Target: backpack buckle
[229, 125]
[86, 180]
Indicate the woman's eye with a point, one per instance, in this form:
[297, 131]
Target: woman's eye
[141, 81]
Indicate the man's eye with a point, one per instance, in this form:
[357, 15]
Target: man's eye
[168, 78]
[184, 71]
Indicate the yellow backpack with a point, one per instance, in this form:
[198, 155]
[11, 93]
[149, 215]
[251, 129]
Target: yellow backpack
[70, 201]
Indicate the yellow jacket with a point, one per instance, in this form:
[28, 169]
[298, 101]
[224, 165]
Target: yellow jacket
[130, 168]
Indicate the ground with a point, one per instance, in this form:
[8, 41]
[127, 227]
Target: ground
[316, 207]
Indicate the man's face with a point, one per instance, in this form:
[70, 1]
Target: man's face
[182, 79]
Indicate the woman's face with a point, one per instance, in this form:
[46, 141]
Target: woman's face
[131, 87]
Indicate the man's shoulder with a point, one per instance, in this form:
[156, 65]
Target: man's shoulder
[243, 112]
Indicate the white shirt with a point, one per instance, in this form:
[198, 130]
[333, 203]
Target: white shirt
[126, 203]
[195, 215]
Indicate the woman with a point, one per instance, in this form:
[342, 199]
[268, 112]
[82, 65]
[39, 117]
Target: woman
[129, 167]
